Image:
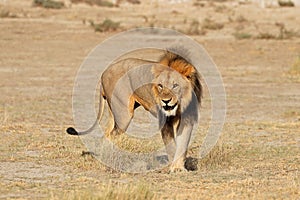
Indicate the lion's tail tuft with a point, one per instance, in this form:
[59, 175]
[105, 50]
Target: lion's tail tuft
[72, 131]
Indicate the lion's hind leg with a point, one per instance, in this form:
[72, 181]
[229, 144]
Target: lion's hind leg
[119, 119]
[110, 124]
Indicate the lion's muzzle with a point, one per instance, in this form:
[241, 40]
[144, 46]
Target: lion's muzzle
[169, 107]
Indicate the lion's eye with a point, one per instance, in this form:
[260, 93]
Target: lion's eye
[160, 86]
[175, 85]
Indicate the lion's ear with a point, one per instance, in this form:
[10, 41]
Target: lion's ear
[157, 69]
[189, 71]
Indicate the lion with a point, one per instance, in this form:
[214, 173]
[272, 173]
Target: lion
[173, 95]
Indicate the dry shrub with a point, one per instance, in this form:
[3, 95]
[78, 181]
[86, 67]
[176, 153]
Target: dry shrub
[211, 24]
[106, 25]
[242, 35]
[286, 3]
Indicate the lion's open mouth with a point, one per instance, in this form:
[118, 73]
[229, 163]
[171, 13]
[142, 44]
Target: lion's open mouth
[167, 108]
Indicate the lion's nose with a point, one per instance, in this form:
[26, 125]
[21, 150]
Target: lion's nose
[166, 101]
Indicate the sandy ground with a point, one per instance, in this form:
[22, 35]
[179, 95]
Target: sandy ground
[258, 156]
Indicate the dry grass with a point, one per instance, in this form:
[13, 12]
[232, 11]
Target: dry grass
[219, 157]
[295, 69]
[257, 157]
[110, 191]
[292, 114]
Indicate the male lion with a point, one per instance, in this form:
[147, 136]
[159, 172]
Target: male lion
[173, 95]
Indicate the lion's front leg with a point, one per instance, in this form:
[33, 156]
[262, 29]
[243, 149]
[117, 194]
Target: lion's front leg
[169, 140]
[182, 141]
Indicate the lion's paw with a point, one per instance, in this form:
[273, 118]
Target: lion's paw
[177, 168]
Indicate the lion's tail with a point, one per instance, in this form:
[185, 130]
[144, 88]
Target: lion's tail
[73, 131]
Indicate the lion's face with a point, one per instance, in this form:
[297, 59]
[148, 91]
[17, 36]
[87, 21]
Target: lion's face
[171, 90]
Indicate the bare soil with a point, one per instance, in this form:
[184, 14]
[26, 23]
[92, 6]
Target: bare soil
[258, 156]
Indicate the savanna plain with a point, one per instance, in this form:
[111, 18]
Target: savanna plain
[257, 52]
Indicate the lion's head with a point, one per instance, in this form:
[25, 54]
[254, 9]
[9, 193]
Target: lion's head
[172, 91]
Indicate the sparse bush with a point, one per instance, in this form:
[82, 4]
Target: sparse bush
[242, 35]
[212, 25]
[106, 25]
[49, 4]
